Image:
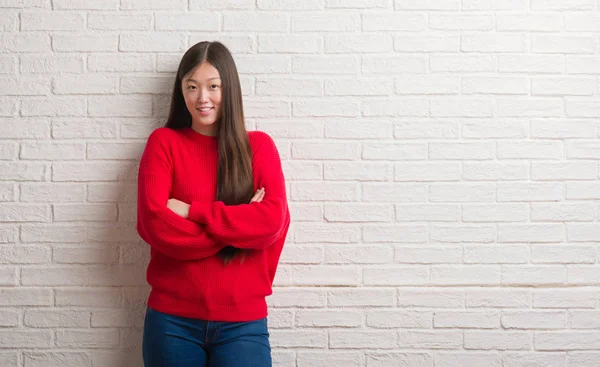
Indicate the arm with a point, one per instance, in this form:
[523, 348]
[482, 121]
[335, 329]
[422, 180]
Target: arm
[258, 224]
[162, 229]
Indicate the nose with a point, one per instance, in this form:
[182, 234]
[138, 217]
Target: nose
[203, 96]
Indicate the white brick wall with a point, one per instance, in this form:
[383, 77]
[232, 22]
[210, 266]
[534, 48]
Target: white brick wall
[441, 158]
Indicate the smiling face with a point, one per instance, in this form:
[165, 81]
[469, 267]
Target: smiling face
[202, 94]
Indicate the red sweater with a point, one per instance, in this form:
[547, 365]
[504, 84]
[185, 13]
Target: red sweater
[186, 276]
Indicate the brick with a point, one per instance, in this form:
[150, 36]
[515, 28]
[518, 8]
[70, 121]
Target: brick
[557, 128]
[531, 232]
[562, 171]
[530, 150]
[427, 84]
[565, 298]
[324, 22]
[154, 5]
[25, 86]
[429, 255]
[426, 43]
[425, 129]
[563, 86]
[358, 87]
[548, 254]
[298, 339]
[302, 170]
[583, 108]
[389, 151]
[530, 22]
[297, 297]
[457, 359]
[535, 191]
[468, 107]
[366, 43]
[563, 5]
[119, 63]
[426, 172]
[325, 150]
[493, 254]
[362, 339]
[57, 359]
[358, 213]
[323, 65]
[386, 233]
[396, 276]
[500, 340]
[24, 43]
[461, 192]
[299, 254]
[494, 5]
[291, 4]
[465, 275]
[57, 319]
[430, 339]
[534, 320]
[558, 212]
[543, 64]
[152, 42]
[95, 338]
[533, 275]
[259, 109]
[393, 64]
[24, 213]
[358, 254]
[52, 21]
[364, 297]
[457, 22]
[356, 4]
[85, 5]
[22, 171]
[468, 151]
[50, 64]
[325, 275]
[504, 43]
[328, 358]
[326, 233]
[466, 319]
[189, 21]
[306, 211]
[431, 297]
[295, 44]
[222, 4]
[367, 171]
[393, 22]
[566, 340]
[395, 107]
[498, 298]
[26, 297]
[538, 359]
[89, 297]
[472, 233]
[494, 85]
[483, 171]
[288, 87]
[251, 22]
[399, 319]
[582, 64]
[26, 339]
[395, 192]
[329, 318]
[8, 64]
[581, 232]
[562, 44]
[427, 212]
[461, 63]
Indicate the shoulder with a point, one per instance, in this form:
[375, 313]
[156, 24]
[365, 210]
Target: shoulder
[259, 138]
[162, 134]
[262, 143]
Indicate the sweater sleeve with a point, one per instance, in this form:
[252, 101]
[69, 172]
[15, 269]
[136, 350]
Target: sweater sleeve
[256, 225]
[161, 228]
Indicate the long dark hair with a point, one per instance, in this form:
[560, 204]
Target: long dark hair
[234, 176]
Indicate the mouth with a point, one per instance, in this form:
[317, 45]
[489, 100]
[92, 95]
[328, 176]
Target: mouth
[204, 111]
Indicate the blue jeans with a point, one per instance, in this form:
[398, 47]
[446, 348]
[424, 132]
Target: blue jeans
[175, 341]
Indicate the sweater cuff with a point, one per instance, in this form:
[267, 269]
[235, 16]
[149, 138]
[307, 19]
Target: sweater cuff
[199, 211]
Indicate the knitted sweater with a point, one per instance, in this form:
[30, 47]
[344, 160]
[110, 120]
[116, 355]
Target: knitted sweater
[186, 276]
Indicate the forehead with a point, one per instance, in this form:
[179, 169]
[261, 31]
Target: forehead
[203, 73]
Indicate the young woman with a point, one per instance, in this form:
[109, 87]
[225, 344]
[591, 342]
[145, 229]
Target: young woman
[212, 206]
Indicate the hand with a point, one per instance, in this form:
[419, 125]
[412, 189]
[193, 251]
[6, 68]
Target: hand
[258, 196]
[179, 207]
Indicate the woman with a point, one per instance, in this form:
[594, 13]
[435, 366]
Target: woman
[212, 206]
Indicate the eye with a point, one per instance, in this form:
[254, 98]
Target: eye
[191, 87]
[214, 86]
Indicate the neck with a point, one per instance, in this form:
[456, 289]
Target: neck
[205, 130]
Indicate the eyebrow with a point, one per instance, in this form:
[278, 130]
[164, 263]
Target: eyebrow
[193, 80]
